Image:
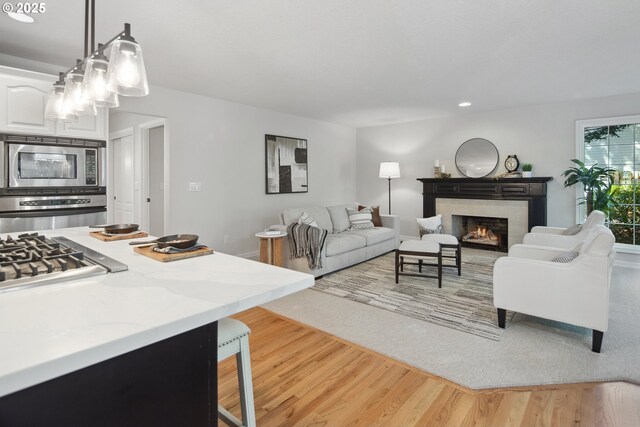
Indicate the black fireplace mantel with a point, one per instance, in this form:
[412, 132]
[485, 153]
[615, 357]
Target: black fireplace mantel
[533, 190]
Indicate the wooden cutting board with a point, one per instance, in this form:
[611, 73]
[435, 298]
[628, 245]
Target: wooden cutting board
[98, 235]
[158, 256]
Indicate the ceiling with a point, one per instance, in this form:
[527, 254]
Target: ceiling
[361, 62]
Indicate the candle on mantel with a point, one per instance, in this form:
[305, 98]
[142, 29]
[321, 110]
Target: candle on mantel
[437, 163]
[442, 168]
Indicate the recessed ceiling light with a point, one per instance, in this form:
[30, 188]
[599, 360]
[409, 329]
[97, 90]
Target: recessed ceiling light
[21, 17]
[464, 104]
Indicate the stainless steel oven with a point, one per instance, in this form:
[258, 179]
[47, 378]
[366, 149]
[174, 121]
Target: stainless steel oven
[51, 182]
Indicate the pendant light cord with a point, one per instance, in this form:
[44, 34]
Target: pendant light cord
[86, 28]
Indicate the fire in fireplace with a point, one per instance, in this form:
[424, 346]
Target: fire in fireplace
[481, 232]
[482, 235]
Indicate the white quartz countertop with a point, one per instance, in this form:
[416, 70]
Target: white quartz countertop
[55, 329]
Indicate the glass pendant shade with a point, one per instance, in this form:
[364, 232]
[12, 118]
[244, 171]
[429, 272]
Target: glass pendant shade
[127, 75]
[94, 84]
[57, 107]
[75, 96]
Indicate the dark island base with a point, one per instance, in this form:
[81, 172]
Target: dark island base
[169, 383]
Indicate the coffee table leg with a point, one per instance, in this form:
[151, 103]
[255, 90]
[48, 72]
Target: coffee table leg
[459, 258]
[440, 268]
[397, 264]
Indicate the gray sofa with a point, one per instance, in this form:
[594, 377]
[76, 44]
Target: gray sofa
[343, 247]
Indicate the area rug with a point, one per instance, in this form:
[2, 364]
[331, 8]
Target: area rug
[464, 303]
[532, 351]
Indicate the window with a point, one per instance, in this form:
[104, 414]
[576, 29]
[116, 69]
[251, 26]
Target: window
[615, 143]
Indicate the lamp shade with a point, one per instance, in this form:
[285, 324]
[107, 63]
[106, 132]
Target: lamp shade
[75, 96]
[94, 84]
[58, 108]
[127, 75]
[389, 170]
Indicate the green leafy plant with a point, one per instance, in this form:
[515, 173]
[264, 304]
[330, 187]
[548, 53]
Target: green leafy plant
[527, 167]
[597, 183]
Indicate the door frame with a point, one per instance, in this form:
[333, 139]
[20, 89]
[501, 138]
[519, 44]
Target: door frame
[116, 135]
[143, 130]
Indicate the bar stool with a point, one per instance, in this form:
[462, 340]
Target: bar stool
[233, 338]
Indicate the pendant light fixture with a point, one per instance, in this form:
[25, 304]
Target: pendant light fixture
[127, 75]
[96, 81]
[94, 84]
[75, 96]
[58, 108]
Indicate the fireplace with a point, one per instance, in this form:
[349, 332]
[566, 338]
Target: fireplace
[481, 232]
[523, 201]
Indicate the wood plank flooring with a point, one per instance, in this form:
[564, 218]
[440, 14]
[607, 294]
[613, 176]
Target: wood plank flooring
[305, 377]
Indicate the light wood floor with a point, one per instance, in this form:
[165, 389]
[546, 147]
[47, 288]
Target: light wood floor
[305, 377]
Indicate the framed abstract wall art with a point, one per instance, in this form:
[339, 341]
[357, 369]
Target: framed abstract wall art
[286, 165]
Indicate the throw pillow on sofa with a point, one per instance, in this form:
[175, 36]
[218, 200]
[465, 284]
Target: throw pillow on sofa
[375, 214]
[360, 219]
[306, 219]
[431, 225]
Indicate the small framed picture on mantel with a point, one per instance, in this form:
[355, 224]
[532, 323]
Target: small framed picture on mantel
[286, 165]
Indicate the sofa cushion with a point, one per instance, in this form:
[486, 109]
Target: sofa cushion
[375, 214]
[319, 213]
[343, 242]
[374, 235]
[360, 219]
[565, 257]
[306, 219]
[340, 217]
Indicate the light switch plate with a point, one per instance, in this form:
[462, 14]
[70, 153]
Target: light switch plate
[195, 186]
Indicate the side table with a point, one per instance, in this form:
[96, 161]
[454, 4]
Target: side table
[271, 248]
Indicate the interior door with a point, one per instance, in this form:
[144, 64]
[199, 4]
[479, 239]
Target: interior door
[123, 180]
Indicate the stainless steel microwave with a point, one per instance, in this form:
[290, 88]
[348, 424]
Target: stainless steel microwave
[52, 162]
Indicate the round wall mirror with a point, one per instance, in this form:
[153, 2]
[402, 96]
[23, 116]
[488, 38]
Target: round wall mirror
[477, 158]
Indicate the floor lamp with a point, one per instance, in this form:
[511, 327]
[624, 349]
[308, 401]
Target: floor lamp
[389, 170]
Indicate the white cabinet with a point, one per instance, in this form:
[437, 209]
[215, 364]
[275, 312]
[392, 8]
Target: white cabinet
[23, 98]
[22, 104]
[93, 127]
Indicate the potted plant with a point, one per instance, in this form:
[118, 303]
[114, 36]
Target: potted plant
[596, 181]
[526, 170]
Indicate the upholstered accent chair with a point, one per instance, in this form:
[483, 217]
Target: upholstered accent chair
[575, 292]
[564, 237]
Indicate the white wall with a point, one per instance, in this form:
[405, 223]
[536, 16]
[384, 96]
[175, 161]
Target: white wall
[221, 145]
[543, 135]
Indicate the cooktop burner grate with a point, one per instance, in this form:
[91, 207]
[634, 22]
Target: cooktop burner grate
[33, 259]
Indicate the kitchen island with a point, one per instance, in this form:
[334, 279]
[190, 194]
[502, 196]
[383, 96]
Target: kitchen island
[133, 348]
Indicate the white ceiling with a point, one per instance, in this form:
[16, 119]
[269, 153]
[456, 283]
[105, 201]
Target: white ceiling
[361, 62]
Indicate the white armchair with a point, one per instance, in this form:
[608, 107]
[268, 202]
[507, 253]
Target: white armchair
[555, 237]
[577, 292]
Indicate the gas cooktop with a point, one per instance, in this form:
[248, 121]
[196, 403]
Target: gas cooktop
[33, 260]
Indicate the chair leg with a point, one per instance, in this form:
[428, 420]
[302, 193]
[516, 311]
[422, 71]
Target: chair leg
[243, 360]
[502, 317]
[440, 269]
[596, 344]
[419, 266]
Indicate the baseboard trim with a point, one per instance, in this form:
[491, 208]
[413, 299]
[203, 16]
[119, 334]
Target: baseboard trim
[628, 264]
[409, 238]
[250, 255]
